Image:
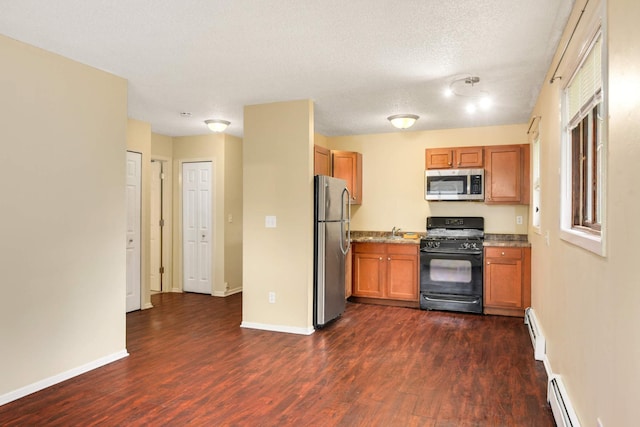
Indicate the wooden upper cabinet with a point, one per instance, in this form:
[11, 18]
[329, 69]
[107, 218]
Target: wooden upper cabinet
[347, 165]
[438, 158]
[321, 161]
[458, 157]
[506, 174]
[468, 157]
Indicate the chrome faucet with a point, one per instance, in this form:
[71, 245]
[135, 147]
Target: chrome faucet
[395, 230]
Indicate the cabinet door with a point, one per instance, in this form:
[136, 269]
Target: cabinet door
[347, 165]
[507, 280]
[504, 174]
[321, 161]
[469, 157]
[402, 277]
[348, 274]
[368, 273]
[503, 282]
[438, 158]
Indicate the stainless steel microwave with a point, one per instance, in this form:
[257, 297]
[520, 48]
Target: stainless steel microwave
[454, 184]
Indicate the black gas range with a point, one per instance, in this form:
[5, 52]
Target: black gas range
[451, 262]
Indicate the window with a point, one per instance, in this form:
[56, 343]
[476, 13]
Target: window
[586, 185]
[535, 172]
[583, 183]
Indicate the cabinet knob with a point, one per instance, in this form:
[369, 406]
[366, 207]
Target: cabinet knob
[380, 258]
[389, 259]
[502, 253]
[488, 262]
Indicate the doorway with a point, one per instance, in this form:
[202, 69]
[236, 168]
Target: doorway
[133, 192]
[197, 185]
[156, 232]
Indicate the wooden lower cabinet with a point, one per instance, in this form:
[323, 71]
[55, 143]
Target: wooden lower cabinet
[348, 274]
[386, 271]
[507, 280]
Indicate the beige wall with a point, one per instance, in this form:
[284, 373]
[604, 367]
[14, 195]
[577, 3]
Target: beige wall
[278, 173]
[62, 250]
[321, 140]
[393, 178]
[587, 304]
[225, 152]
[161, 146]
[233, 213]
[139, 141]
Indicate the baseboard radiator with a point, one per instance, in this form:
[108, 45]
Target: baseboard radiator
[560, 404]
[537, 339]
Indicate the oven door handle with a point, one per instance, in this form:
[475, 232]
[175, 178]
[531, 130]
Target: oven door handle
[451, 300]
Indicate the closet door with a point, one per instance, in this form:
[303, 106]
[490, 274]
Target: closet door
[196, 226]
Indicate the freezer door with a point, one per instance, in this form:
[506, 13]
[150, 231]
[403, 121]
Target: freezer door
[329, 298]
[329, 202]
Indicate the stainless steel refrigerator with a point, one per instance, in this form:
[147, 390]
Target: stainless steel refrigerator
[332, 243]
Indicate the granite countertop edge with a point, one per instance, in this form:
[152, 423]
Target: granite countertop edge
[384, 237]
[490, 239]
[506, 240]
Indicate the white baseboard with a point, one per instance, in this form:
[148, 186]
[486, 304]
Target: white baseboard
[227, 292]
[547, 366]
[278, 328]
[147, 306]
[48, 382]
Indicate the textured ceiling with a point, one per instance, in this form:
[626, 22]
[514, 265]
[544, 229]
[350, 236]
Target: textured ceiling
[358, 60]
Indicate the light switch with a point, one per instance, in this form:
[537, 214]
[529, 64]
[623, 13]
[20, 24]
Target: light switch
[270, 221]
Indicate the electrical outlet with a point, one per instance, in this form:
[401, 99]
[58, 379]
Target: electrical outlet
[272, 297]
[230, 218]
[519, 219]
[270, 221]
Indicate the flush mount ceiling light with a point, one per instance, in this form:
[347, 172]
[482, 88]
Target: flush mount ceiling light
[403, 121]
[469, 87]
[217, 125]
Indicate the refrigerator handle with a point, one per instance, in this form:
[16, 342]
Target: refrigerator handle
[344, 220]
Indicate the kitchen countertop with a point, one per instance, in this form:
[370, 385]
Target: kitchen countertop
[383, 237]
[506, 240]
[496, 240]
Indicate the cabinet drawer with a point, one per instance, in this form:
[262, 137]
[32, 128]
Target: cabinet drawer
[501, 252]
[369, 248]
[402, 249]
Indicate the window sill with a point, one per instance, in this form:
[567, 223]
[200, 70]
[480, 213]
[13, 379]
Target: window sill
[589, 241]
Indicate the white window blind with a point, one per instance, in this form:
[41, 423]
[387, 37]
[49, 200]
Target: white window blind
[585, 89]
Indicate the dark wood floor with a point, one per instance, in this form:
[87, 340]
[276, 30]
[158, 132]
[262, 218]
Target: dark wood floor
[191, 363]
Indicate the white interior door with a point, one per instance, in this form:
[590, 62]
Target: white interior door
[134, 182]
[155, 232]
[197, 184]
